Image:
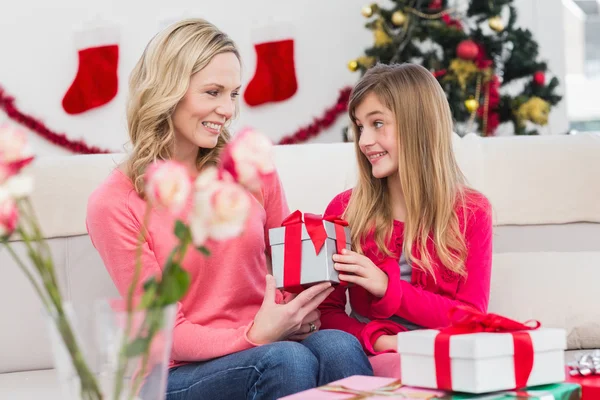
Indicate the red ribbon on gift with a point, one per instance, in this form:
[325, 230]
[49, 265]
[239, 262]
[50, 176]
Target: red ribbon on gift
[292, 259]
[467, 320]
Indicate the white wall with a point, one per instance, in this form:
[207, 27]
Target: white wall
[39, 65]
[574, 20]
[39, 60]
[546, 21]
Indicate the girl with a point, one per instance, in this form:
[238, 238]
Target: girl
[422, 237]
[232, 338]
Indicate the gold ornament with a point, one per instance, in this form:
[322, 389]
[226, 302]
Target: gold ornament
[381, 37]
[472, 105]
[398, 18]
[353, 65]
[463, 70]
[496, 24]
[535, 110]
[368, 11]
[366, 61]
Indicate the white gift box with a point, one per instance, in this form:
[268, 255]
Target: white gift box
[315, 267]
[481, 362]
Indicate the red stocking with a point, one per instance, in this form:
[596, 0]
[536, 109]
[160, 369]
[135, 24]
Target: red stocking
[96, 82]
[275, 76]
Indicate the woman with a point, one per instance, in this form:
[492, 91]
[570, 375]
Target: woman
[234, 337]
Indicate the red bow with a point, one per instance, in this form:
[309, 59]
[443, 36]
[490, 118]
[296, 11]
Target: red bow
[467, 320]
[292, 258]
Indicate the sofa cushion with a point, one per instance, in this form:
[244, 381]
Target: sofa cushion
[82, 279]
[28, 385]
[556, 288]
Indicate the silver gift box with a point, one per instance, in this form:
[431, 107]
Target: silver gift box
[315, 268]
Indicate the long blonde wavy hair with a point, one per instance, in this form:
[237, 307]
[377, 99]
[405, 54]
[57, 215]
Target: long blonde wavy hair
[159, 81]
[431, 180]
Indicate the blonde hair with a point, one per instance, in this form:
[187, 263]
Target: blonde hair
[431, 180]
[159, 81]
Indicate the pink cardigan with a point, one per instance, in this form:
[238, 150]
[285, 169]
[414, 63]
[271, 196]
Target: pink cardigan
[423, 301]
[227, 288]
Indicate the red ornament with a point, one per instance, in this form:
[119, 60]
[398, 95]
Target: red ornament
[539, 78]
[435, 5]
[467, 50]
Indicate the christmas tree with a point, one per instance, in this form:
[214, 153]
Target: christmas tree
[474, 49]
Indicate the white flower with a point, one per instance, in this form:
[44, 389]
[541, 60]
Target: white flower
[168, 185]
[221, 208]
[249, 158]
[13, 144]
[19, 186]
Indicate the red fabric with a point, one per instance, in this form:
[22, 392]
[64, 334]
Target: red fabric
[467, 320]
[424, 301]
[96, 82]
[275, 76]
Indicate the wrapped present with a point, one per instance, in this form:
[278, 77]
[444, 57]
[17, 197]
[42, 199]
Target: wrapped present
[585, 371]
[482, 353]
[372, 388]
[365, 387]
[559, 391]
[302, 250]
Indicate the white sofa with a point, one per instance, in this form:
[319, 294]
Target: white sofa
[545, 192]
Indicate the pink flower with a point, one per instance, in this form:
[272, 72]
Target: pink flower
[14, 153]
[13, 144]
[9, 215]
[221, 208]
[248, 158]
[168, 185]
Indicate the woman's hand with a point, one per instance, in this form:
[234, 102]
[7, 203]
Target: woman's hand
[274, 322]
[360, 270]
[310, 324]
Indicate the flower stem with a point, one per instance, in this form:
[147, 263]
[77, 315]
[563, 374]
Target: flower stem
[49, 294]
[29, 275]
[122, 363]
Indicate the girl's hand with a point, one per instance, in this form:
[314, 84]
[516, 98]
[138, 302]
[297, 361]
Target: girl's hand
[386, 342]
[360, 270]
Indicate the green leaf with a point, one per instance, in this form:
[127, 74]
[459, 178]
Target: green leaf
[138, 347]
[150, 289]
[150, 282]
[174, 285]
[182, 231]
[203, 250]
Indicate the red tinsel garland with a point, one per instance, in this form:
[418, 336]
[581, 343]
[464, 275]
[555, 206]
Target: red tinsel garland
[329, 117]
[80, 147]
[59, 139]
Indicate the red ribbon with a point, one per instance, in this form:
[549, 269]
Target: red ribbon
[467, 320]
[292, 253]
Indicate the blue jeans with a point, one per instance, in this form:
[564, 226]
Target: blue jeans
[271, 371]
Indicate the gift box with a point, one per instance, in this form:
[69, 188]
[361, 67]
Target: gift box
[371, 388]
[586, 372]
[482, 353]
[559, 391]
[590, 386]
[365, 387]
[302, 250]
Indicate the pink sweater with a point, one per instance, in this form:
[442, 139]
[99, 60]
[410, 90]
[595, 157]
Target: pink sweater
[227, 288]
[423, 301]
